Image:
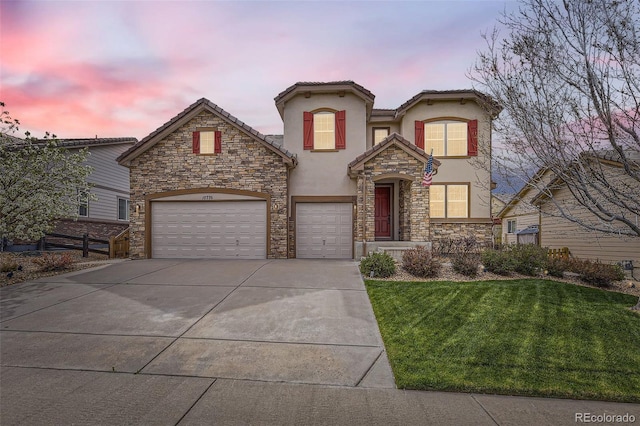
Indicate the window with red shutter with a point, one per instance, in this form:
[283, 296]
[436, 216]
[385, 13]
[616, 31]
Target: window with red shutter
[341, 130]
[196, 142]
[218, 142]
[308, 130]
[472, 138]
[420, 134]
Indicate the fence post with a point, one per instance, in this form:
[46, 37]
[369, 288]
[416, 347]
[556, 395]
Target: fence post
[112, 247]
[85, 245]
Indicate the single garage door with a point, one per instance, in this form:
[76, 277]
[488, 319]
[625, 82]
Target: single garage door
[324, 230]
[212, 230]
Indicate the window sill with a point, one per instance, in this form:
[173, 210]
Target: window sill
[325, 150]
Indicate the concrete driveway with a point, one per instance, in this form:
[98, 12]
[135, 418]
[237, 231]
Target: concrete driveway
[220, 342]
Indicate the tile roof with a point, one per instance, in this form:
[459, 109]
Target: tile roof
[393, 137]
[204, 103]
[321, 84]
[490, 102]
[71, 143]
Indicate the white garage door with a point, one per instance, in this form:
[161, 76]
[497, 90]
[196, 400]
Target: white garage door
[324, 230]
[213, 230]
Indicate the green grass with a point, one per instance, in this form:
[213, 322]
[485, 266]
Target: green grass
[519, 337]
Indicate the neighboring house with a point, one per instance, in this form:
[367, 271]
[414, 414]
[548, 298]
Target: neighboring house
[558, 232]
[344, 179]
[498, 202]
[106, 212]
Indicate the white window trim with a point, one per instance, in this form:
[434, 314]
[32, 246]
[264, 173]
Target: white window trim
[128, 208]
[83, 201]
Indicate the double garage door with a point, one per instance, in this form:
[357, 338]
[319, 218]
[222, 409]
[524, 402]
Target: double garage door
[212, 230]
[324, 230]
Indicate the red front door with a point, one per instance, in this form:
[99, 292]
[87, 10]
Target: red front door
[383, 212]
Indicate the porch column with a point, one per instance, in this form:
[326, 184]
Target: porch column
[419, 212]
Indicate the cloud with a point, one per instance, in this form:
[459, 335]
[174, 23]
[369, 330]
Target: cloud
[124, 68]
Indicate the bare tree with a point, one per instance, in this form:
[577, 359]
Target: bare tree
[567, 74]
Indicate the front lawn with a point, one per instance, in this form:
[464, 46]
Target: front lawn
[519, 337]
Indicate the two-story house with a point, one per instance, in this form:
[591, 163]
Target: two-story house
[344, 179]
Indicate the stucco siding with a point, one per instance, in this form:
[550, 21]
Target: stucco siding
[472, 170]
[324, 173]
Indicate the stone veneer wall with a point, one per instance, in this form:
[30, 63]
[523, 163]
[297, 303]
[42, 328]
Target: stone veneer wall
[394, 160]
[482, 231]
[95, 228]
[244, 164]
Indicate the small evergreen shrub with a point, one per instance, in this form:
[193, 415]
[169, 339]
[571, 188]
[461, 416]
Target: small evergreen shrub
[382, 265]
[466, 264]
[419, 261]
[498, 262]
[54, 262]
[528, 259]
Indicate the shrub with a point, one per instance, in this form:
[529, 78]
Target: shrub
[419, 261]
[598, 274]
[528, 259]
[466, 264]
[8, 265]
[54, 262]
[498, 262]
[382, 265]
[556, 266]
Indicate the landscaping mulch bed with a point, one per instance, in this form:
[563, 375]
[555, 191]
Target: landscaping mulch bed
[31, 271]
[448, 274]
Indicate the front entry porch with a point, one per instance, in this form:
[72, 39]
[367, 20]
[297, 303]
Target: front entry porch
[392, 206]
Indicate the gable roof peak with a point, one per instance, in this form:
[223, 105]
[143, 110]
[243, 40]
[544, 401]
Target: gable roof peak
[190, 112]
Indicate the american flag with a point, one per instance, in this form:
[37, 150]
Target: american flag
[427, 179]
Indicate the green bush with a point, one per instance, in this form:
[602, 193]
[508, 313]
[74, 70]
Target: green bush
[419, 261]
[466, 264]
[596, 273]
[381, 264]
[528, 259]
[498, 262]
[54, 262]
[556, 266]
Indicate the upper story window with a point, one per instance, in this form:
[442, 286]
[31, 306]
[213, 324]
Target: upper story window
[379, 133]
[207, 142]
[324, 130]
[511, 226]
[448, 138]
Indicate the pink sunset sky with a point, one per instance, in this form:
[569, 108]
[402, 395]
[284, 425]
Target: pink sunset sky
[124, 68]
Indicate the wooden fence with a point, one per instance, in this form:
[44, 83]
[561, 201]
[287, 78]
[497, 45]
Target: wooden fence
[117, 246]
[561, 253]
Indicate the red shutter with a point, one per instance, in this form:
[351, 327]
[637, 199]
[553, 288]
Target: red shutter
[420, 134]
[472, 138]
[308, 130]
[217, 147]
[341, 130]
[196, 142]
